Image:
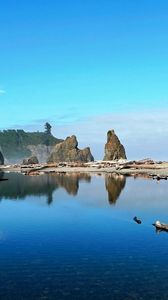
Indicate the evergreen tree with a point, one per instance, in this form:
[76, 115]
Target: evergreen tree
[47, 127]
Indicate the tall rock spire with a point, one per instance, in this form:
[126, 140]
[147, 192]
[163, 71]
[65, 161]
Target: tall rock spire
[113, 148]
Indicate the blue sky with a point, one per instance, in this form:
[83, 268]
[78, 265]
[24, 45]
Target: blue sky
[74, 63]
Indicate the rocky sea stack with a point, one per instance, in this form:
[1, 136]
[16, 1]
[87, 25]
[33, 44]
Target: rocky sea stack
[33, 160]
[68, 151]
[113, 148]
[1, 159]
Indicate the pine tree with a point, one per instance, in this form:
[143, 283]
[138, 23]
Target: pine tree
[47, 127]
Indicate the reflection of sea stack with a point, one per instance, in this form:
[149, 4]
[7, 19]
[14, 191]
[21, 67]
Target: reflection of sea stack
[113, 148]
[20, 186]
[114, 185]
[70, 181]
[68, 151]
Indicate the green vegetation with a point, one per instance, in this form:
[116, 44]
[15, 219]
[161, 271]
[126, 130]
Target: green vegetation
[13, 143]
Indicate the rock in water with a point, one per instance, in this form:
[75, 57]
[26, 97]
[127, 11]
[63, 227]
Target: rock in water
[68, 151]
[30, 160]
[138, 221]
[1, 159]
[113, 148]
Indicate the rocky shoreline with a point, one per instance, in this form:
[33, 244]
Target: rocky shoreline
[142, 168]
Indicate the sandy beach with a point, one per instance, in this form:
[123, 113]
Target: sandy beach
[145, 168]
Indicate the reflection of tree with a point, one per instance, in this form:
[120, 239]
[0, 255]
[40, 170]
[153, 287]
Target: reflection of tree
[114, 185]
[19, 186]
[49, 198]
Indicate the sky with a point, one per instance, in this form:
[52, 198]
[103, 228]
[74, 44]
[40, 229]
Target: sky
[87, 67]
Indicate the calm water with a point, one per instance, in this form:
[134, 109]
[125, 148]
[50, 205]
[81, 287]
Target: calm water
[73, 237]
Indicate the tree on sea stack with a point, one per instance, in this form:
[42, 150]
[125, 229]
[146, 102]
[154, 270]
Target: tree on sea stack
[47, 127]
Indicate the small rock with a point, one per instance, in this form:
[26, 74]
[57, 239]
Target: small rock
[33, 160]
[138, 221]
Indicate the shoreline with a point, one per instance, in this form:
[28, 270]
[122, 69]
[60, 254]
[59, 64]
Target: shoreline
[141, 168]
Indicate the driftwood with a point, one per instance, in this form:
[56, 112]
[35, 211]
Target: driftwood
[145, 168]
[160, 226]
[158, 177]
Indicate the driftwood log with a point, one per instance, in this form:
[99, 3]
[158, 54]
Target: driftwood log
[161, 226]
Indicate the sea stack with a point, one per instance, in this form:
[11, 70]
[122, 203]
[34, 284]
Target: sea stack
[68, 151]
[33, 160]
[1, 159]
[114, 150]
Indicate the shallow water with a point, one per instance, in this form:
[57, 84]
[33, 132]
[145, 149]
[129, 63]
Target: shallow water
[73, 237]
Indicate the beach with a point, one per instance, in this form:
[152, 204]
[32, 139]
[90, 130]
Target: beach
[145, 168]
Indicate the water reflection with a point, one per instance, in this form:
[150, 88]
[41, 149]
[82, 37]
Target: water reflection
[19, 186]
[114, 185]
[1, 175]
[76, 250]
[70, 182]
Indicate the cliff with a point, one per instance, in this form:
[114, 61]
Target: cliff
[16, 145]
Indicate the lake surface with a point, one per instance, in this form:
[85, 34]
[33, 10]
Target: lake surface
[73, 237]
